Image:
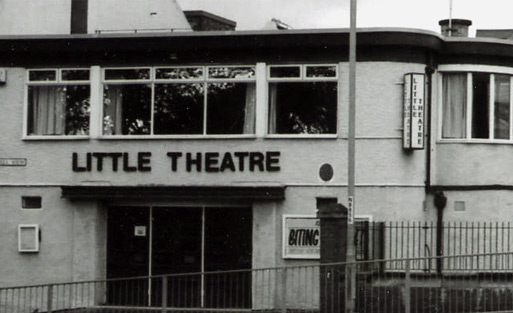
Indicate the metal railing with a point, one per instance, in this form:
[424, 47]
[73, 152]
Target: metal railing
[313, 288]
[471, 288]
[141, 30]
[396, 240]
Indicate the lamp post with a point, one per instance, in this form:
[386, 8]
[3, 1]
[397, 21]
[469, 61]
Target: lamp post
[351, 275]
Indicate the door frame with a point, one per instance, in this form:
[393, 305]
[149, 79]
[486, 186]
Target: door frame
[151, 206]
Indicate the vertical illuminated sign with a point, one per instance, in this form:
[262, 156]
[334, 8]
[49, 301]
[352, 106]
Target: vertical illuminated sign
[413, 110]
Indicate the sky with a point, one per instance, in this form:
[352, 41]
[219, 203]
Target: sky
[301, 14]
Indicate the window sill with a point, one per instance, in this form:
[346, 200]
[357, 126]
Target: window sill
[54, 138]
[301, 136]
[475, 141]
[174, 137]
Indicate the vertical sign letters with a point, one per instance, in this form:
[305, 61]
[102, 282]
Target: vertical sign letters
[413, 110]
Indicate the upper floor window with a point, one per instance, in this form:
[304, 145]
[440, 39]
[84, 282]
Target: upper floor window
[58, 102]
[302, 99]
[476, 106]
[194, 100]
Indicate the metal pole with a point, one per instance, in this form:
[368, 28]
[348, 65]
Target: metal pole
[164, 294]
[450, 18]
[351, 290]
[352, 108]
[49, 299]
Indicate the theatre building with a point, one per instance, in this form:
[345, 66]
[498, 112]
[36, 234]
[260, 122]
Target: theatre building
[146, 153]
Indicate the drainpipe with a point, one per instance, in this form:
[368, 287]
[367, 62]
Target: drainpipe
[440, 203]
[430, 69]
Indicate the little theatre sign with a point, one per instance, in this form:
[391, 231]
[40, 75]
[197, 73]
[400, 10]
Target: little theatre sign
[199, 161]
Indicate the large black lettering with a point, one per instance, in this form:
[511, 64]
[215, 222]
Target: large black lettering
[89, 162]
[241, 156]
[301, 239]
[190, 162]
[115, 160]
[256, 159]
[74, 164]
[316, 237]
[272, 160]
[99, 160]
[227, 162]
[143, 161]
[292, 237]
[174, 159]
[211, 162]
[309, 237]
[126, 163]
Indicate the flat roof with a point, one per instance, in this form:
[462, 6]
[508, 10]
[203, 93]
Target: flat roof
[225, 46]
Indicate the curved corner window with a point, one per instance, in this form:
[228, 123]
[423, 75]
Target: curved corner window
[58, 102]
[476, 106]
[303, 99]
[195, 100]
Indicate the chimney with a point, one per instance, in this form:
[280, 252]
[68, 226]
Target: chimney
[458, 27]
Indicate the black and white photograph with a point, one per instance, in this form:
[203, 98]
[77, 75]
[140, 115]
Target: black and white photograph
[267, 156]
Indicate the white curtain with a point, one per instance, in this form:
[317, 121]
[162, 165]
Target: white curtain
[112, 110]
[250, 109]
[273, 107]
[501, 116]
[454, 106]
[48, 110]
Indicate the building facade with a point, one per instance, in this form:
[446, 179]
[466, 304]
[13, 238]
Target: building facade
[155, 153]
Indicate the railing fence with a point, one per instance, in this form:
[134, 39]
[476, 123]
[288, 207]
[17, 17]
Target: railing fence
[397, 240]
[380, 287]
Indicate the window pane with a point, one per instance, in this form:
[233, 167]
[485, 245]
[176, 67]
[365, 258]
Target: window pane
[178, 109]
[303, 108]
[127, 74]
[285, 71]
[480, 107]
[180, 73]
[501, 116]
[127, 109]
[321, 71]
[75, 75]
[231, 108]
[454, 106]
[176, 240]
[42, 75]
[231, 72]
[58, 110]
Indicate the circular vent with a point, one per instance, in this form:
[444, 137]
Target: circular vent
[326, 172]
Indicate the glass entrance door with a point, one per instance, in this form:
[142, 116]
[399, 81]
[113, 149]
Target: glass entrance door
[128, 255]
[145, 241]
[177, 248]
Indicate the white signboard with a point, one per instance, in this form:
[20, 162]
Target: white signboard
[13, 162]
[413, 109]
[301, 237]
[28, 238]
[140, 231]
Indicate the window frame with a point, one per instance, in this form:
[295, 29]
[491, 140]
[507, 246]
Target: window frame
[59, 81]
[153, 81]
[302, 78]
[37, 238]
[469, 70]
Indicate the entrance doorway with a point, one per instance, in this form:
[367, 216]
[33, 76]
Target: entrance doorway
[157, 240]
